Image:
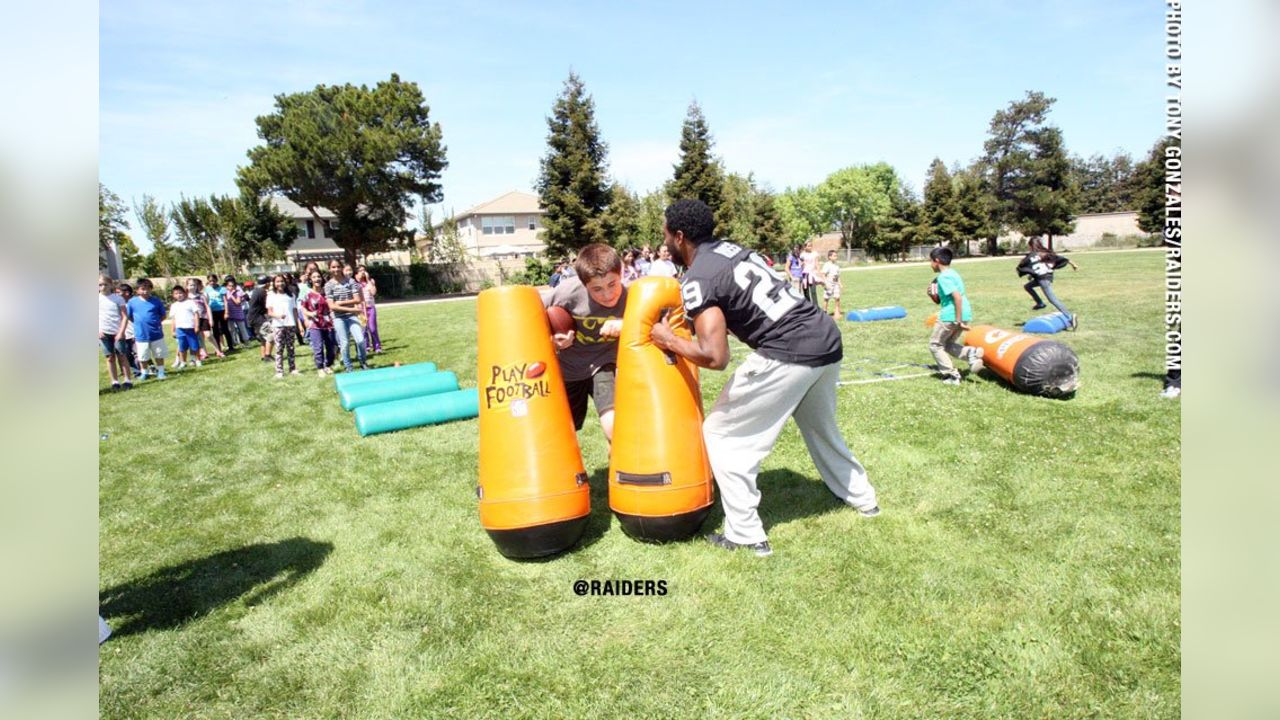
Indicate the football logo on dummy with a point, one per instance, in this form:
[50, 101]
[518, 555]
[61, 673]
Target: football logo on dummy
[513, 386]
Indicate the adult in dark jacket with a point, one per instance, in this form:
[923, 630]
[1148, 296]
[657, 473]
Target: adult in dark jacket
[257, 315]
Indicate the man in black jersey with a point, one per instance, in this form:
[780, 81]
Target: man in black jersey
[792, 372]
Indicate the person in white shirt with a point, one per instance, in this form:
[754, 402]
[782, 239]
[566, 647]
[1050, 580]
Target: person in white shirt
[663, 265]
[283, 311]
[831, 275]
[185, 314]
[112, 320]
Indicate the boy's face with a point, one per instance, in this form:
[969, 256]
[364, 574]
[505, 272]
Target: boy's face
[179, 295]
[937, 266]
[605, 290]
[831, 256]
[105, 287]
[144, 291]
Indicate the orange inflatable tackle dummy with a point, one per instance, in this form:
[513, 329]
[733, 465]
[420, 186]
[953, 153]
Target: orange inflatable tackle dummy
[534, 498]
[1030, 363]
[660, 482]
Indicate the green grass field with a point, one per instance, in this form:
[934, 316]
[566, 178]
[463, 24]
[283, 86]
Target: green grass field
[259, 559]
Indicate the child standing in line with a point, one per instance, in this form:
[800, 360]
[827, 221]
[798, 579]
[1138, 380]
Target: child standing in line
[147, 313]
[111, 323]
[131, 353]
[370, 290]
[320, 334]
[283, 311]
[235, 300]
[185, 314]
[831, 275]
[953, 319]
[204, 319]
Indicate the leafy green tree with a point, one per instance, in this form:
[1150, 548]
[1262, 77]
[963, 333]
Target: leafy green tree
[1149, 188]
[446, 246]
[801, 213]
[363, 153]
[199, 230]
[131, 258]
[903, 227]
[572, 184]
[253, 229]
[698, 175]
[111, 223]
[940, 216]
[651, 218]
[621, 220]
[155, 225]
[858, 200]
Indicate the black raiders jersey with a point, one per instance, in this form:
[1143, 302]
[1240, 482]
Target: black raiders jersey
[760, 307]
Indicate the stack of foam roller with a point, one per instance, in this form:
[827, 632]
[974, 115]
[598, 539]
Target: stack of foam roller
[396, 398]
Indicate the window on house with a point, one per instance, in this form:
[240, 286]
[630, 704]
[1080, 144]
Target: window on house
[498, 225]
[533, 222]
[311, 229]
[331, 228]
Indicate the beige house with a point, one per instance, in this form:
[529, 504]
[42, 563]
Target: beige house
[315, 237]
[508, 226]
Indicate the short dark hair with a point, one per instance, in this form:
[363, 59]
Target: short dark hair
[596, 260]
[941, 254]
[144, 283]
[177, 289]
[693, 218]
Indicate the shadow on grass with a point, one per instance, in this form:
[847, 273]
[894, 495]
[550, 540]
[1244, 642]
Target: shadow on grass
[989, 374]
[1158, 377]
[787, 495]
[175, 595]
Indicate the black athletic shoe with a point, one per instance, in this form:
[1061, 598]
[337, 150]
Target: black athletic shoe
[872, 511]
[1039, 307]
[761, 549]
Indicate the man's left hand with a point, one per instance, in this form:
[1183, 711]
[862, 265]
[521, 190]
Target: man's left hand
[662, 334]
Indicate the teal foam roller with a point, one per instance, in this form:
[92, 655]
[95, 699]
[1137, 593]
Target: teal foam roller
[397, 389]
[413, 412]
[363, 376]
[1047, 324]
[888, 312]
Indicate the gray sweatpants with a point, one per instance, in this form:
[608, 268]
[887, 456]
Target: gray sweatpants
[742, 427]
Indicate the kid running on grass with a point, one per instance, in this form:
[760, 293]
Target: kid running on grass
[953, 319]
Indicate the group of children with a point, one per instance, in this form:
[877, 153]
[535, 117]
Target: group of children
[333, 313]
[806, 276]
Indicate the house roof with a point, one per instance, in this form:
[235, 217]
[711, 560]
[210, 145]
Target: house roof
[512, 203]
[297, 212]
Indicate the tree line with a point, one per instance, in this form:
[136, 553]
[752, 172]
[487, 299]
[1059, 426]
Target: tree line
[368, 154]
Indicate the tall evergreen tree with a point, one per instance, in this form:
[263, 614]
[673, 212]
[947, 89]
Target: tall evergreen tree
[1149, 188]
[698, 174]
[572, 185]
[621, 220]
[651, 218]
[976, 206]
[735, 218]
[1046, 203]
[771, 237]
[1008, 156]
[940, 216]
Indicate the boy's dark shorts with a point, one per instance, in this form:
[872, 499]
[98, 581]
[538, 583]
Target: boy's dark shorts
[598, 386]
[204, 324]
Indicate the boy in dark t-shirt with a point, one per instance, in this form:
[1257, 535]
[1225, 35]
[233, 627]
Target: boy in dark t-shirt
[589, 353]
[791, 373]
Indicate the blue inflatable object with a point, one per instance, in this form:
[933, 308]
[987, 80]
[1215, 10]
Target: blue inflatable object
[888, 312]
[412, 412]
[397, 389]
[1047, 324]
[380, 374]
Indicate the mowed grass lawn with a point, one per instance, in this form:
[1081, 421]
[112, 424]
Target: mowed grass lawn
[259, 559]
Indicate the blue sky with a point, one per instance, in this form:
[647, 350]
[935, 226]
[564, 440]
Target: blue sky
[791, 91]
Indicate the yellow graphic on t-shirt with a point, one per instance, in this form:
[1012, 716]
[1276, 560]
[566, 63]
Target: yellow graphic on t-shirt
[592, 323]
